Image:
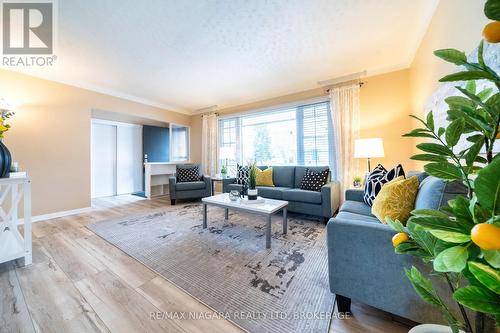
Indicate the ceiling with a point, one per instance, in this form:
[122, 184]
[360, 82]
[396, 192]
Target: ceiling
[190, 54]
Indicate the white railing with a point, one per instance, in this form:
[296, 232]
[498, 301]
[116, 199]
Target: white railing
[13, 244]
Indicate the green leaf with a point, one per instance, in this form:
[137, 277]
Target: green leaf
[441, 130]
[493, 104]
[437, 223]
[472, 97]
[434, 148]
[396, 225]
[492, 257]
[452, 259]
[463, 216]
[428, 212]
[430, 121]
[454, 131]
[488, 276]
[422, 238]
[487, 187]
[478, 299]
[483, 95]
[418, 134]
[460, 102]
[449, 236]
[474, 150]
[480, 58]
[471, 87]
[475, 138]
[428, 157]
[423, 287]
[492, 10]
[451, 55]
[468, 75]
[443, 170]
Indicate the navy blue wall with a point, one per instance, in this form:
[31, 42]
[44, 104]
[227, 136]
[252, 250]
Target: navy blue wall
[155, 143]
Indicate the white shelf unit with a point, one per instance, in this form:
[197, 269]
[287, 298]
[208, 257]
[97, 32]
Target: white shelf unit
[15, 195]
[156, 178]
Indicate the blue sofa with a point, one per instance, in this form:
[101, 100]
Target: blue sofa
[287, 180]
[189, 190]
[361, 259]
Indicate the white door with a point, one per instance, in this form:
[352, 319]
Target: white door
[129, 159]
[103, 159]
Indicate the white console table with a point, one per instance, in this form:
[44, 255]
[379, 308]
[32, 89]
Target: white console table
[156, 178]
[15, 193]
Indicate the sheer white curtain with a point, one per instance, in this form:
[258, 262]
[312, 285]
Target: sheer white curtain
[344, 106]
[209, 142]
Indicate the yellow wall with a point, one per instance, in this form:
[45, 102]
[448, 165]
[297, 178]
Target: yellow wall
[456, 24]
[50, 136]
[385, 109]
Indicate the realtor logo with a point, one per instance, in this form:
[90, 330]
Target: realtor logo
[27, 27]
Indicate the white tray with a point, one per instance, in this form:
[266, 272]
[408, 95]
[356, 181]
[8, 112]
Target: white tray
[259, 200]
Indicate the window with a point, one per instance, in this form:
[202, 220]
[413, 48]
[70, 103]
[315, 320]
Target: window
[179, 143]
[297, 135]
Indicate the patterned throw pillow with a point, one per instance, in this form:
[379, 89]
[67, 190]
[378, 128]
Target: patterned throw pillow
[188, 174]
[396, 199]
[242, 175]
[377, 178]
[314, 180]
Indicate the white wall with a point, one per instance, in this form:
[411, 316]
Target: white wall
[103, 159]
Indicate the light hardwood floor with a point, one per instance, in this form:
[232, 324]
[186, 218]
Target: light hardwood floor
[81, 283]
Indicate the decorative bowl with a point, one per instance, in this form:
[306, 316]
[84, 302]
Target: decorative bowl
[234, 195]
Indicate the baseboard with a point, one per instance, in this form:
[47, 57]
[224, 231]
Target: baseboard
[50, 216]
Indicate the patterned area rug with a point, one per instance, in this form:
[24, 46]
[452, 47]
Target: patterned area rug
[227, 267]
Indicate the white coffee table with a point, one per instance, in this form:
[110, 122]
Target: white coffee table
[267, 208]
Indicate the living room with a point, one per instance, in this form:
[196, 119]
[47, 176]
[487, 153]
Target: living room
[263, 166]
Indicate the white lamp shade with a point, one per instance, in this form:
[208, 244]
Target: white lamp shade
[366, 148]
[226, 153]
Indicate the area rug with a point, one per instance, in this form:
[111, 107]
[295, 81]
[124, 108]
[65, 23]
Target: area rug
[228, 268]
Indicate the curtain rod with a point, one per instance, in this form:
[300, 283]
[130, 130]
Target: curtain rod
[360, 83]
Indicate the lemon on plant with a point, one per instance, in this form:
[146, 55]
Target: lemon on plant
[491, 32]
[486, 236]
[399, 238]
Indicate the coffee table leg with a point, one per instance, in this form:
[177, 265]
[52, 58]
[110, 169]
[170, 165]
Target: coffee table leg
[226, 214]
[204, 216]
[268, 232]
[285, 221]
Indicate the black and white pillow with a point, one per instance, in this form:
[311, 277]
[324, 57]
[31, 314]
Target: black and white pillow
[314, 180]
[191, 174]
[242, 175]
[377, 178]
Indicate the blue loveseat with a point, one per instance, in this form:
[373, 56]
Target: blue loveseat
[361, 259]
[287, 180]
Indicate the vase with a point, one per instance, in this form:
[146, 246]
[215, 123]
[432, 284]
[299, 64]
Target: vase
[252, 194]
[5, 161]
[431, 328]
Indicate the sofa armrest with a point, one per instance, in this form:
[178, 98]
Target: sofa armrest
[330, 197]
[354, 195]
[208, 182]
[172, 180]
[226, 182]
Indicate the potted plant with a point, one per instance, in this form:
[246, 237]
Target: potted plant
[356, 182]
[461, 242]
[5, 157]
[223, 170]
[252, 182]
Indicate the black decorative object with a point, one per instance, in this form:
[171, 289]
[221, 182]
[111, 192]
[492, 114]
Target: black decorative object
[5, 161]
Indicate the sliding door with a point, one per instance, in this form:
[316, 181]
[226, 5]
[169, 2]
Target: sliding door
[129, 159]
[103, 160]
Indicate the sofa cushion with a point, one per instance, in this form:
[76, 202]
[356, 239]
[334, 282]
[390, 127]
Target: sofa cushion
[433, 193]
[299, 195]
[348, 216]
[301, 170]
[356, 207]
[283, 176]
[188, 186]
[264, 177]
[314, 180]
[271, 192]
[377, 178]
[188, 173]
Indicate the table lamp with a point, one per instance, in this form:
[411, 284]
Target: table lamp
[368, 148]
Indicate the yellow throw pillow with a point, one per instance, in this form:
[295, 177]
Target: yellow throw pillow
[396, 199]
[265, 177]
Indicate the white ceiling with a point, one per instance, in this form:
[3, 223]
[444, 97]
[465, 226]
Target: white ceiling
[189, 54]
